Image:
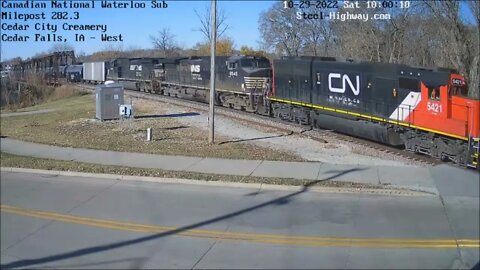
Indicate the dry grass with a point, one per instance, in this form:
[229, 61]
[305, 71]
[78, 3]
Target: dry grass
[65, 91]
[72, 125]
[33, 93]
[14, 161]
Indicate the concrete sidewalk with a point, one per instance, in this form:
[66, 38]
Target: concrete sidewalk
[416, 178]
[27, 113]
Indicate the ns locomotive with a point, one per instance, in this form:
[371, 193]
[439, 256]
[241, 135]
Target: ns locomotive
[426, 111]
[241, 80]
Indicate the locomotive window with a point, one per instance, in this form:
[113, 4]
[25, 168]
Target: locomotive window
[410, 84]
[458, 91]
[248, 63]
[434, 93]
[231, 66]
[263, 63]
[319, 78]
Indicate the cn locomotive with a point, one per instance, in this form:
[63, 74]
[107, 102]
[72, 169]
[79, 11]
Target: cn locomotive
[427, 111]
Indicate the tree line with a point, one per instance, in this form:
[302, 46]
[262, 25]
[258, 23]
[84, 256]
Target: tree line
[428, 34]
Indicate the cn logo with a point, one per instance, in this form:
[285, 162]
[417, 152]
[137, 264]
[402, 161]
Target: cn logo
[136, 67]
[195, 68]
[344, 81]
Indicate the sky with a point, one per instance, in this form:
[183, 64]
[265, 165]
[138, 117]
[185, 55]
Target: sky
[136, 25]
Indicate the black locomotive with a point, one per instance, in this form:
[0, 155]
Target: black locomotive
[240, 80]
[328, 85]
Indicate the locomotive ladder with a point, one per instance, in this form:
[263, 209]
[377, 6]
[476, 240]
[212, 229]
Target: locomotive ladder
[474, 145]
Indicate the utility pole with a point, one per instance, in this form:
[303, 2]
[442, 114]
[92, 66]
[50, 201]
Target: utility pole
[213, 40]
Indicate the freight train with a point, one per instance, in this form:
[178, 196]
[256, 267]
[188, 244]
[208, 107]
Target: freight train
[427, 111]
[54, 68]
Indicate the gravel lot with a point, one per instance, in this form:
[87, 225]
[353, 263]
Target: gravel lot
[334, 151]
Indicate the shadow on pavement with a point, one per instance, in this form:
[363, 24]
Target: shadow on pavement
[135, 263]
[259, 138]
[166, 115]
[90, 250]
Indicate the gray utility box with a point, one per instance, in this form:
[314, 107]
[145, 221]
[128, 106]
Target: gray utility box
[108, 98]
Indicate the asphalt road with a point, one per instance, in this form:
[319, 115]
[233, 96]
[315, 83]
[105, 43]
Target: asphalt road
[73, 222]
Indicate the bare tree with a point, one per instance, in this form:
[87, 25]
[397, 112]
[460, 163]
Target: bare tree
[317, 35]
[474, 75]
[114, 47]
[205, 23]
[360, 39]
[280, 30]
[164, 41]
[61, 47]
[109, 51]
[461, 41]
[6, 89]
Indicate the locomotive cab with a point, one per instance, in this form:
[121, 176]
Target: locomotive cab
[447, 107]
[462, 106]
[448, 110]
[254, 70]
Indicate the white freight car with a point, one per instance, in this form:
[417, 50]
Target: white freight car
[94, 72]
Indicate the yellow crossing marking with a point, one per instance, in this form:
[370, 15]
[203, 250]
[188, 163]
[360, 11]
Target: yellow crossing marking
[251, 237]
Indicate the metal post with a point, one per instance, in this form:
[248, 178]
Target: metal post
[149, 134]
[213, 40]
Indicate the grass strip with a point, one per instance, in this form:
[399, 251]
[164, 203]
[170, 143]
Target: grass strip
[14, 161]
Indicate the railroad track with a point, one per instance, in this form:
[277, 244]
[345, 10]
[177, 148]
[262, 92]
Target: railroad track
[417, 158]
[287, 128]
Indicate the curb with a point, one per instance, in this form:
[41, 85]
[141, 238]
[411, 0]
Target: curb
[258, 186]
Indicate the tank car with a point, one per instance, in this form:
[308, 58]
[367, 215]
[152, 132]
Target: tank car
[74, 73]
